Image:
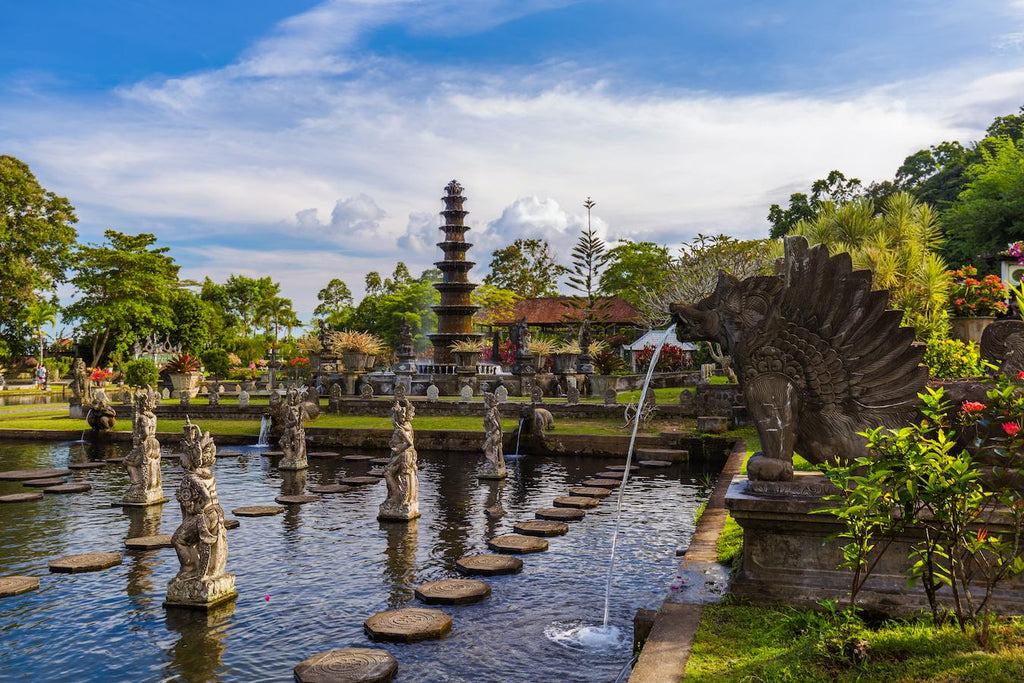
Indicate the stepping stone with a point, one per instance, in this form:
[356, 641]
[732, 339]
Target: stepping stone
[273, 454]
[43, 483]
[356, 458]
[330, 488]
[322, 454]
[148, 542]
[90, 465]
[22, 475]
[380, 462]
[489, 565]
[591, 491]
[347, 665]
[228, 454]
[21, 497]
[452, 592]
[68, 488]
[541, 527]
[621, 468]
[16, 585]
[517, 544]
[170, 456]
[601, 483]
[408, 625]
[258, 511]
[230, 523]
[560, 514]
[655, 463]
[375, 472]
[115, 461]
[578, 502]
[87, 562]
[617, 476]
[298, 499]
[360, 481]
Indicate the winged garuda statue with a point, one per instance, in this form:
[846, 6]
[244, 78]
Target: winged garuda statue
[818, 356]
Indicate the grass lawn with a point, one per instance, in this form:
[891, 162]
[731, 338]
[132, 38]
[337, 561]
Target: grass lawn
[744, 643]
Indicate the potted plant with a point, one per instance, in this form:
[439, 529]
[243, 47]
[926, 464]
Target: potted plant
[565, 356]
[975, 303]
[541, 350]
[356, 349]
[467, 352]
[185, 372]
[310, 346]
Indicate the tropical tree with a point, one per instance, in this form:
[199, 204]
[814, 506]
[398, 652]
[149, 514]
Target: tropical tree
[528, 267]
[37, 236]
[274, 313]
[398, 299]
[835, 187]
[38, 314]
[335, 307]
[633, 267]
[589, 258]
[495, 303]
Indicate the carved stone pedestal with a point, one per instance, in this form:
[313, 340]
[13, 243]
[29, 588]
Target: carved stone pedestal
[201, 593]
[788, 557]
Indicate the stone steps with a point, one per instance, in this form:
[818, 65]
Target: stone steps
[670, 454]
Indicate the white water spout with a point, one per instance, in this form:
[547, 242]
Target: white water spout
[264, 439]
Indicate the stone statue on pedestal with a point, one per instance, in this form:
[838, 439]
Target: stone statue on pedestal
[493, 466]
[143, 462]
[402, 502]
[293, 438]
[101, 416]
[200, 540]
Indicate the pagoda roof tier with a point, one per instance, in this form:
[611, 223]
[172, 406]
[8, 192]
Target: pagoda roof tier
[454, 264]
[454, 286]
[454, 246]
[455, 310]
[455, 213]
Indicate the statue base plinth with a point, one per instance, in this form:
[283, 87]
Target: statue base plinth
[398, 515]
[125, 502]
[492, 473]
[790, 555]
[201, 594]
[293, 464]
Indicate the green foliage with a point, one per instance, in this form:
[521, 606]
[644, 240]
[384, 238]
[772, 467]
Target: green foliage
[141, 372]
[192, 320]
[729, 547]
[527, 267]
[183, 363]
[836, 188]
[37, 235]
[215, 362]
[633, 267]
[496, 304]
[124, 288]
[953, 359]
[609, 363]
[335, 307]
[398, 299]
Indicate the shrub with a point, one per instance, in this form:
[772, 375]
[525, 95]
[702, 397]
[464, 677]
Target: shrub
[670, 359]
[141, 372]
[970, 296]
[216, 362]
[953, 359]
[607, 363]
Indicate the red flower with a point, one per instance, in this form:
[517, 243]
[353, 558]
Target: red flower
[982, 534]
[972, 407]
[1020, 375]
[1011, 428]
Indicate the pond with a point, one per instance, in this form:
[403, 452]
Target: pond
[308, 578]
[12, 398]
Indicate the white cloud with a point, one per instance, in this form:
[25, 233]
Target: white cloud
[353, 220]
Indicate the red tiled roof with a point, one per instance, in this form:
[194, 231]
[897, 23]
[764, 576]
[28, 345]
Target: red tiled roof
[554, 311]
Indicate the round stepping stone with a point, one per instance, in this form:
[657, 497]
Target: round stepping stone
[617, 476]
[68, 488]
[347, 665]
[655, 463]
[258, 511]
[322, 454]
[375, 472]
[601, 483]
[273, 454]
[591, 491]
[16, 585]
[517, 544]
[541, 527]
[578, 502]
[114, 461]
[489, 565]
[21, 497]
[228, 454]
[621, 468]
[22, 475]
[356, 458]
[380, 462]
[43, 483]
[408, 625]
[452, 592]
[560, 514]
[230, 523]
[89, 465]
[299, 499]
[330, 488]
[148, 542]
[87, 562]
[360, 481]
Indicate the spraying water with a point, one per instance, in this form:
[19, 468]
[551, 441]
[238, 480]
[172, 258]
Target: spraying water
[264, 439]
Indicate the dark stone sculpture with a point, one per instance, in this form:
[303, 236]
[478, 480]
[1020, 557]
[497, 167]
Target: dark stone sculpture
[1002, 345]
[817, 354]
[101, 416]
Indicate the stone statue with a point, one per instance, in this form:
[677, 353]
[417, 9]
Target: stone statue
[405, 340]
[494, 458]
[293, 437]
[519, 334]
[200, 540]
[101, 416]
[143, 462]
[818, 356]
[1002, 345]
[214, 395]
[336, 393]
[402, 502]
[80, 392]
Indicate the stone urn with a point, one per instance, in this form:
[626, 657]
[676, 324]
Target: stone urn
[565, 362]
[185, 383]
[466, 359]
[969, 329]
[355, 361]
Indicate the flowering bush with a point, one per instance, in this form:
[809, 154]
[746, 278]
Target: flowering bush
[507, 351]
[1014, 250]
[99, 375]
[300, 361]
[234, 360]
[671, 359]
[970, 296]
[953, 359]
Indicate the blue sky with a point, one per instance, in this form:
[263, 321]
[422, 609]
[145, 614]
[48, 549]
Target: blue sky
[310, 140]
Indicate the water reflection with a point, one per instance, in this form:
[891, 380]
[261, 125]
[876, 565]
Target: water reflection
[400, 565]
[197, 654]
[493, 508]
[293, 483]
[453, 509]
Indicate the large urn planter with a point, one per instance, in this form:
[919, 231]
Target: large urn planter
[969, 329]
[466, 359]
[354, 361]
[564, 362]
[185, 383]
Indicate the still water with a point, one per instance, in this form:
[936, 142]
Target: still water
[309, 577]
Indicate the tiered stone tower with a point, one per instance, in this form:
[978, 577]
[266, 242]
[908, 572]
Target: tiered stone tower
[455, 312]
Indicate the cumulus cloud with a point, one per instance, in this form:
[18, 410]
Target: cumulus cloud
[533, 217]
[354, 219]
[421, 233]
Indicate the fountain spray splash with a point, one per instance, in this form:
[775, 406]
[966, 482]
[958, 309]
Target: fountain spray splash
[625, 473]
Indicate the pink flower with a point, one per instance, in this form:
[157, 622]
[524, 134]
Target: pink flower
[972, 407]
[1011, 428]
[1020, 375]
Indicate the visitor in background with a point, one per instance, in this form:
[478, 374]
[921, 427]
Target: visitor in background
[41, 377]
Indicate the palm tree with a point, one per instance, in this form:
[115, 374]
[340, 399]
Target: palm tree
[39, 313]
[274, 312]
